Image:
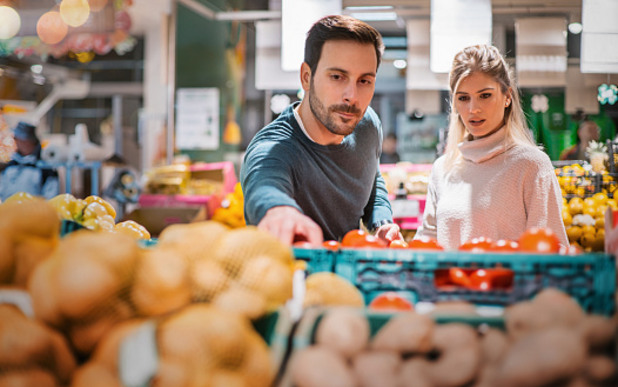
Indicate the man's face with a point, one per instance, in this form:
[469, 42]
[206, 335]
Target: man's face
[25, 147]
[343, 84]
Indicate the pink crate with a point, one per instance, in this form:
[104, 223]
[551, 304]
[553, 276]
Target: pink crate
[211, 202]
[227, 171]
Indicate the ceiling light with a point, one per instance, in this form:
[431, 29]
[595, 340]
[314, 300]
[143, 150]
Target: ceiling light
[400, 64]
[575, 28]
[374, 16]
[10, 22]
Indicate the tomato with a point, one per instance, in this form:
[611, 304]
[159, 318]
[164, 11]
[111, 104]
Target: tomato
[359, 238]
[458, 276]
[425, 243]
[539, 240]
[504, 245]
[390, 301]
[571, 250]
[488, 279]
[331, 245]
[373, 242]
[477, 245]
[353, 238]
[398, 244]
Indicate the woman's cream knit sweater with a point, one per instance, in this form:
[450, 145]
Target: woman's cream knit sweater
[498, 191]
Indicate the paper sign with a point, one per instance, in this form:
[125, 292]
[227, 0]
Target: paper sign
[197, 119]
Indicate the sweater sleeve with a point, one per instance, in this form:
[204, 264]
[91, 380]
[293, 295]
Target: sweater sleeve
[543, 201]
[380, 207]
[266, 179]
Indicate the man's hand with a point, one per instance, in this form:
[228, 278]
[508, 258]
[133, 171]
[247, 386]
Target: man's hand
[389, 232]
[289, 225]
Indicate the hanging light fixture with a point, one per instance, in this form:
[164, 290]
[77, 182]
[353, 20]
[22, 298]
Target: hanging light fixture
[74, 12]
[50, 28]
[10, 22]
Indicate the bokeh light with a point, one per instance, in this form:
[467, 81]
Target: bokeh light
[97, 5]
[10, 22]
[51, 28]
[74, 12]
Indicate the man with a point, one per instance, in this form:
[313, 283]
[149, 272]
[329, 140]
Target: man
[588, 131]
[22, 173]
[312, 174]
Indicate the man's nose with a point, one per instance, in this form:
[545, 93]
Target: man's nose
[350, 93]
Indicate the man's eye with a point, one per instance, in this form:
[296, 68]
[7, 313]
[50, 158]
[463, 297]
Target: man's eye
[336, 76]
[365, 81]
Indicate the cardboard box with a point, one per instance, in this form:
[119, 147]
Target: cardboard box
[155, 219]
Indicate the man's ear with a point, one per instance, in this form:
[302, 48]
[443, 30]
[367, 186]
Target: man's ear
[305, 76]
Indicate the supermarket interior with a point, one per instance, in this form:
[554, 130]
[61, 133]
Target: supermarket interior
[140, 243]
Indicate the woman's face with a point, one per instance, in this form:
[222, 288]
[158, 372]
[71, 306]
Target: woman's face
[480, 104]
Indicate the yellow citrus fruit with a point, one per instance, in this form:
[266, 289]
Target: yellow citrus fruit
[600, 224]
[574, 233]
[587, 239]
[589, 202]
[599, 198]
[612, 204]
[587, 229]
[576, 206]
[567, 219]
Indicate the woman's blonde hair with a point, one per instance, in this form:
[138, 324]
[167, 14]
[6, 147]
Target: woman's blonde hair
[487, 60]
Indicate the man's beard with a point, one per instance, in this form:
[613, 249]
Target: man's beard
[326, 116]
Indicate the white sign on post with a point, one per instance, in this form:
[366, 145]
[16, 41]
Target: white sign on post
[197, 118]
[297, 17]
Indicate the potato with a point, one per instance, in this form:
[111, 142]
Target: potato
[600, 369]
[28, 253]
[208, 278]
[598, 331]
[269, 277]
[412, 373]
[240, 300]
[344, 330]
[407, 332]
[28, 378]
[95, 375]
[319, 366]
[377, 368]
[543, 357]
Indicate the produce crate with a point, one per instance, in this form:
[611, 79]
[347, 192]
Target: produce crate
[589, 278]
[317, 259]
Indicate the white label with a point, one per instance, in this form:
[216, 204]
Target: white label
[409, 208]
[139, 359]
[197, 118]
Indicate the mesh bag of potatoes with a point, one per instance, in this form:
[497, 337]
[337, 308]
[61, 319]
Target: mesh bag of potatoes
[31, 353]
[200, 345]
[83, 288]
[29, 233]
[548, 341]
[243, 270]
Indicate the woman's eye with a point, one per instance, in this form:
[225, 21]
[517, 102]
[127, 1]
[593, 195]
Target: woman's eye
[462, 98]
[486, 95]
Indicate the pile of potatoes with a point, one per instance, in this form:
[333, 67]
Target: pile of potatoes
[549, 341]
[200, 345]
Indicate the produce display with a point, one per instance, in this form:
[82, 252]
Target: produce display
[546, 341]
[93, 307]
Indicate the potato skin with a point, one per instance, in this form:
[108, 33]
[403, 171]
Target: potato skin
[318, 366]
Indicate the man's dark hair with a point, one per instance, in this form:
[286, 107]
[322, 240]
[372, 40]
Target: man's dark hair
[339, 27]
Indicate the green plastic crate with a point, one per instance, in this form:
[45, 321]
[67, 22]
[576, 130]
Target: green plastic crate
[589, 278]
[318, 260]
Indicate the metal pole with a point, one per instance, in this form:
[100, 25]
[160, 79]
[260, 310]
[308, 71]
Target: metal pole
[171, 80]
[117, 120]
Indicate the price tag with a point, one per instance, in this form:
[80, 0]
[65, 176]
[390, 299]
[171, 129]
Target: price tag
[139, 359]
[19, 298]
[405, 208]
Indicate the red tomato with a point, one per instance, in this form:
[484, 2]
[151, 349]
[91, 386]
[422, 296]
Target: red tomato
[331, 245]
[494, 278]
[458, 276]
[390, 301]
[373, 242]
[504, 245]
[571, 250]
[477, 245]
[425, 243]
[398, 244]
[353, 238]
[539, 240]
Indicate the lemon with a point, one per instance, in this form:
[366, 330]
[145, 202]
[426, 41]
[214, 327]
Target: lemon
[587, 239]
[600, 198]
[589, 202]
[587, 229]
[576, 206]
[600, 224]
[567, 219]
[574, 233]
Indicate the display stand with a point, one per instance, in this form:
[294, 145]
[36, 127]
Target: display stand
[93, 166]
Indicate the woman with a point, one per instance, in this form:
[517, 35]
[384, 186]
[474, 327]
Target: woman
[492, 181]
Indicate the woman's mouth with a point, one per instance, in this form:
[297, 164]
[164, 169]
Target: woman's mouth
[476, 122]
